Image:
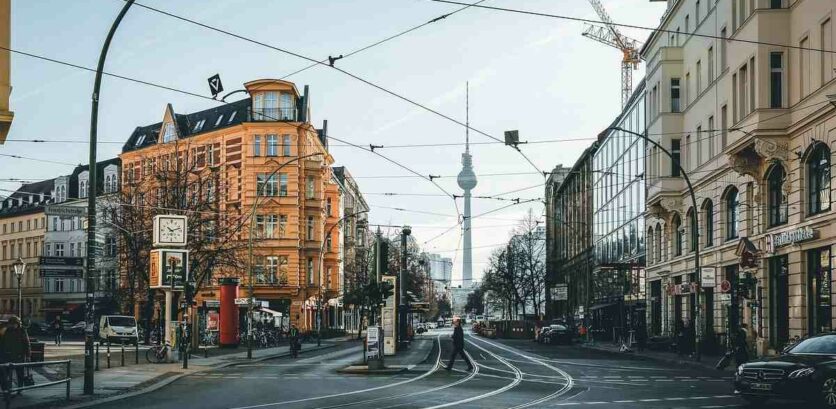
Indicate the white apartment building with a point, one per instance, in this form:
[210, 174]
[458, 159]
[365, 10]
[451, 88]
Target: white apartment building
[737, 91]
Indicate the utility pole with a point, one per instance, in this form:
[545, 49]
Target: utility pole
[402, 305]
[89, 272]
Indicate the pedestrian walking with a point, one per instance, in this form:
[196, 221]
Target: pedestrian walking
[58, 329]
[741, 348]
[293, 337]
[458, 345]
[14, 348]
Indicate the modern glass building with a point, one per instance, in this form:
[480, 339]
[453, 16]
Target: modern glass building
[618, 295]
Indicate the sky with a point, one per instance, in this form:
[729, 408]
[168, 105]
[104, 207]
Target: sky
[528, 73]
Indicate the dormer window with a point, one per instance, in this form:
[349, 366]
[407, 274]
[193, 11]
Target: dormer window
[169, 134]
[218, 121]
[199, 125]
[140, 140]
[82, 189]
[231, 117]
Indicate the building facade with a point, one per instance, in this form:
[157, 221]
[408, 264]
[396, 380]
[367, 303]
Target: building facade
[441, 273]
[617, 283]
[750, 124]
[6, 115]
[569, 250]
[356, 245]
[23, 225]
[65, 245]
[265, 149]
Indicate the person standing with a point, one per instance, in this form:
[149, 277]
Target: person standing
[58, 329]
[458, 346]
[741, 349]
[14, 348]
[293, 338]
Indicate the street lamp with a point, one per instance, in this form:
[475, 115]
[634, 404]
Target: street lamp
[694, 234]
[20, 267]
[250, 248]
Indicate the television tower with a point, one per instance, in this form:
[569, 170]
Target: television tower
[467, 181]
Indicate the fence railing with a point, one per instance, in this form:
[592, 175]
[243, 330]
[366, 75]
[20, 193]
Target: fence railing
[12, 383]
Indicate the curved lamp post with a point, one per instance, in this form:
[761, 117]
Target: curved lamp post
[250, 249]
[694, 235]
[91, 206]
[322, 267]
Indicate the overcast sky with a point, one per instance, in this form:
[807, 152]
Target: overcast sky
[534, 74]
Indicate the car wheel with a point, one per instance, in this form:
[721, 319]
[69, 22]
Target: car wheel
[828, 392]
[754, 401]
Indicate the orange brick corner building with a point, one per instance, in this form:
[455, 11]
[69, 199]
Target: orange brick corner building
[235, 150]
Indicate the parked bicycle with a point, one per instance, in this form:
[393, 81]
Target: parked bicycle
[158, 353]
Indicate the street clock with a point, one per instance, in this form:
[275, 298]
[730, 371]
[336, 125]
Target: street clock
[170, 230]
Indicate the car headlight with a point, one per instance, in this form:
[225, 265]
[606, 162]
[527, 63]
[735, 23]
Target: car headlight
[740, 370]
[800, 373]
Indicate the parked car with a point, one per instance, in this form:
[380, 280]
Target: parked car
[804, 371]
[118, 328]
[77, 328]
[38, 328]
[557, 334]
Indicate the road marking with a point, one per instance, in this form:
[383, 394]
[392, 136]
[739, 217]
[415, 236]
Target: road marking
[354, 392]
[654, 400]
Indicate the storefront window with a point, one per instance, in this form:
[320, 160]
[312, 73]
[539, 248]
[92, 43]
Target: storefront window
[779, 308]
[819, 273]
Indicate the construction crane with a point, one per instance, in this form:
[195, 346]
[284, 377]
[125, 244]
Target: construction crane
[609, 35]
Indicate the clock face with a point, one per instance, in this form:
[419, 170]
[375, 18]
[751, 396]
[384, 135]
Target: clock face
[172, 230]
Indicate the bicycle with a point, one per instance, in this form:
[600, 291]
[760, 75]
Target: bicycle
[158, 353]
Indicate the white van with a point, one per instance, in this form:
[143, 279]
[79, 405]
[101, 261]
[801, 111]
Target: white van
[118, 329]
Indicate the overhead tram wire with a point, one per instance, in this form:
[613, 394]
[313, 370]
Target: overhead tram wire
[347, 73]
[39, 160]
[646, 28]
[404, 167]
[392, 37]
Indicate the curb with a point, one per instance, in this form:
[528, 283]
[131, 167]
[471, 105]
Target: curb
[680, 362]
[169, 380]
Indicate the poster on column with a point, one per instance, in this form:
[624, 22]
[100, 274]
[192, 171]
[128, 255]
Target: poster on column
[389, 315]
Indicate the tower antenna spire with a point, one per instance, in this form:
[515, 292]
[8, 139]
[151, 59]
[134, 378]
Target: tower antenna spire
[467, 117]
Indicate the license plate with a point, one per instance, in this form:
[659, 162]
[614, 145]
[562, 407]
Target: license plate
[761, 387]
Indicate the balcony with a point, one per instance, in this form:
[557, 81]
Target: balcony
[665, 185]
[274, 114]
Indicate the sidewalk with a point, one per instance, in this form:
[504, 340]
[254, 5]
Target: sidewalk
[707, 361]
[120, 382]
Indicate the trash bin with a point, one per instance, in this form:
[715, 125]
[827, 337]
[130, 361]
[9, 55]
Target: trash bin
[37, 351]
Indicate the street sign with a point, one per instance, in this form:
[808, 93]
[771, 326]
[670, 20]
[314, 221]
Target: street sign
[708, 277]
[61, 261]
[65, 211]
[169, 268]
[725, 286]
[243, 301]
[373, 343]
[215, 85]
[61, 273]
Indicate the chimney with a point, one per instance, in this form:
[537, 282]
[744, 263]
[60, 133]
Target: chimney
[324, 136]
[303, 108]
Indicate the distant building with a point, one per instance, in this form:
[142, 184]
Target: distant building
[355, 248]
[23, 226]
[441, 273]
[569, 251]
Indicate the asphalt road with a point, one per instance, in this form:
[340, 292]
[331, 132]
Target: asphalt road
[510, 374]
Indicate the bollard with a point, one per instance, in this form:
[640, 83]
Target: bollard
[69, 379]
[136, 352]
[97, 355]
[108, 355]
[123, 353]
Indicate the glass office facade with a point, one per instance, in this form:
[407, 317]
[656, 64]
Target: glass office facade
[618, 279]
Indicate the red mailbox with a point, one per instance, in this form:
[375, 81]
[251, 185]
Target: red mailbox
[228, 320]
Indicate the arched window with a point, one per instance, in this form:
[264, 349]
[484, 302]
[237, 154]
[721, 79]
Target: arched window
[678, 235]
[660, 254]
[107, 184]
[708, 221]
[651, 250]
[818, 179]
[776, 201]
[692, 230]
[732, 213]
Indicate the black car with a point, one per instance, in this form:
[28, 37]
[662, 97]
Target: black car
[805, 371]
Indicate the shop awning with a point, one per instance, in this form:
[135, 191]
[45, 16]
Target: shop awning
[271, 312]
